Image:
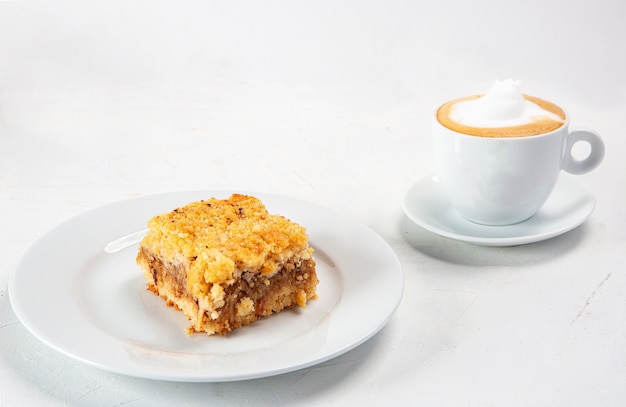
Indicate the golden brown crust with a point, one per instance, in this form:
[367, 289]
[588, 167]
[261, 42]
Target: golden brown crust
[225, 263]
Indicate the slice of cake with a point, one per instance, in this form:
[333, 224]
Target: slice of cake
[226, 263]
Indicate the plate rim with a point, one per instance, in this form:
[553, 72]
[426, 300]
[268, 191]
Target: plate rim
[393, 270]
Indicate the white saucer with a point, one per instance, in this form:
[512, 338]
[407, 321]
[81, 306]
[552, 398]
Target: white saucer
[568, 207]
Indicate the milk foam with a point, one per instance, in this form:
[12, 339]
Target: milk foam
[502, 106]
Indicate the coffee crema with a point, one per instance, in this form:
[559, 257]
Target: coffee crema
[536, 126]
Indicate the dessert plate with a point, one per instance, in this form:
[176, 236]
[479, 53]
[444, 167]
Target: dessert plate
[92, 304]
[568, 206]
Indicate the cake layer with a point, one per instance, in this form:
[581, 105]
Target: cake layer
[226, 263]
[251, 297]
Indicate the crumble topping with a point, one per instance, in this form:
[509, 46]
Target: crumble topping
[217, 237]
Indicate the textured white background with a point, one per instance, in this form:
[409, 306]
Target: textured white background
[331, 102]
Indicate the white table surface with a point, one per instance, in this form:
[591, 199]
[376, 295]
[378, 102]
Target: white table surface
[328, 102]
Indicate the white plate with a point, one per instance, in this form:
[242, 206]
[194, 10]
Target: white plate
[569, 206]
[92, 304]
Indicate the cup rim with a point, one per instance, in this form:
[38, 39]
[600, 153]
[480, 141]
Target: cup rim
[565, 125]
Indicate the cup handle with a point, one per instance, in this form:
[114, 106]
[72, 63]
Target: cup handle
[575, 166]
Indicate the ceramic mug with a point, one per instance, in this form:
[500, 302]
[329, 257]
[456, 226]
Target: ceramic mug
[506, 180]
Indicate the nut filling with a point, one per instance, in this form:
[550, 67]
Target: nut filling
[251, 297]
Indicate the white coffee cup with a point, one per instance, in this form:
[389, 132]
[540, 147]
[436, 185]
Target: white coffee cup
[506, 180]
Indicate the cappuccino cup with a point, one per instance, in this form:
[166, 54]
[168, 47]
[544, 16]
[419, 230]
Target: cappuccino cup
[499, 155]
